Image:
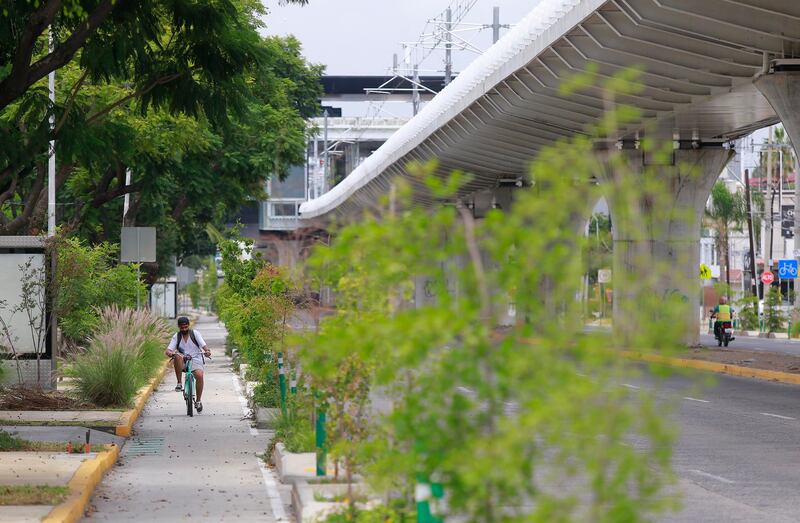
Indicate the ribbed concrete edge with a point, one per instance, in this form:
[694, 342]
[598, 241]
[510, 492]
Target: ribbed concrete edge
[721, 368]
[81, 487]
[128, 418]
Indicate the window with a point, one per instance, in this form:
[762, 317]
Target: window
[282, 210]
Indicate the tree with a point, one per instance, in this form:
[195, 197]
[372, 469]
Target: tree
[725, 212]
[182, 56]
[199, 107]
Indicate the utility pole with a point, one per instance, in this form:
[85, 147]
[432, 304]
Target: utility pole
[771, 199]
[448, 47]
[325, 152]
[495, 24]
[415, 99]
[754, 280]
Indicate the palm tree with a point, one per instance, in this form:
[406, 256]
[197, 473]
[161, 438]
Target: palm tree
[724, 213]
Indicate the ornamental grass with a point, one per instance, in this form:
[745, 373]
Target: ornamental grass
[124, 352]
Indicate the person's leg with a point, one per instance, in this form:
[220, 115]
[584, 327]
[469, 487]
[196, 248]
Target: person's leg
[198, 376]
[177, 362]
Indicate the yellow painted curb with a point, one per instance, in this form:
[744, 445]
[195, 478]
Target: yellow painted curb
[81, 487]
[128, 418]
[722, 368]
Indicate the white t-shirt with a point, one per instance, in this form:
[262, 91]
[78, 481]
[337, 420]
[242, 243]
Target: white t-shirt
[188, 346]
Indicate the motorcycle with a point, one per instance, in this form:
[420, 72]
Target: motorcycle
[723, 332]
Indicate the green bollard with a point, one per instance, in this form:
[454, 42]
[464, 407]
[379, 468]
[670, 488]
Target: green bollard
[282, 382]
[293, 383]
[424, 494]
[322, 457]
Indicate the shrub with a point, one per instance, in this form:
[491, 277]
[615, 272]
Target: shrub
[748, 313]
[267, 395]
[107, 374]
[122, 355]
[87, 279]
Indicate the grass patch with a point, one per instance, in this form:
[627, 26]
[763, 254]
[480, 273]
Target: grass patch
[11, 443]
[32, 495]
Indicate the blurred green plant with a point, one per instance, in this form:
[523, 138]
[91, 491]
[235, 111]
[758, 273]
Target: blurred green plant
[527, 422]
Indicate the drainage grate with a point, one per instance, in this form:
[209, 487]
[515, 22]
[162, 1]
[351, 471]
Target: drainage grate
[143, 447]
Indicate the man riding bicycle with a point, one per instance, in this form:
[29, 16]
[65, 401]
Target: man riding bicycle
[188, 342]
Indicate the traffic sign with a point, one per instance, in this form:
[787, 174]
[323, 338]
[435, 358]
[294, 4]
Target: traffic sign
[705, 272]
[767, 278]
[787, 269]
[604, 275]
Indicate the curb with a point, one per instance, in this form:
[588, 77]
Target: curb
[82, 487]
[720, 368]
[128, 418]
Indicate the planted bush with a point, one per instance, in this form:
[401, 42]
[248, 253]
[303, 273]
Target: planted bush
[122, 355]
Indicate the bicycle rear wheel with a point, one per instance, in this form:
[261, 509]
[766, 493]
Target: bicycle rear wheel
[190, 397]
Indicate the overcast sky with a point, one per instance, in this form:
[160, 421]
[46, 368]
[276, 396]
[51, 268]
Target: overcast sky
[360, 36]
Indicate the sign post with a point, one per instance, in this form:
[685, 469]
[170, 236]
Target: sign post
[603, 277]
[138, 245]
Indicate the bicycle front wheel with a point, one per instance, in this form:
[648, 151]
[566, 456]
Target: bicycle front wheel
[189, 397]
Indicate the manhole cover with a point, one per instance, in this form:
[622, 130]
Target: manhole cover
[143, 447]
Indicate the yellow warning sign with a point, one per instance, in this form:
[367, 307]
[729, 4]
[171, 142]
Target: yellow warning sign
[705, 272]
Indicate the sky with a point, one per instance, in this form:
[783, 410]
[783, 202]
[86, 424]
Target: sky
[360, 36]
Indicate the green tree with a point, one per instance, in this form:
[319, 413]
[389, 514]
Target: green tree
[726, 211]
[194, 102]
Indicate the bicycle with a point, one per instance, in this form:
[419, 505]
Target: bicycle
[189, 386]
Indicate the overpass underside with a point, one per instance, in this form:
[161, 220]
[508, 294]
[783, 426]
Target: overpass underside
[704, 66]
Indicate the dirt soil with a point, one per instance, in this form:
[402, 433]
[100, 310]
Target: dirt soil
[745, 358]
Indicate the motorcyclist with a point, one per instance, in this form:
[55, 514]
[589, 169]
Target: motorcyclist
[722, 313]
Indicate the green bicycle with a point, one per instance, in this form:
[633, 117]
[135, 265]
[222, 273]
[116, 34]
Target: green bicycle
[189, 385]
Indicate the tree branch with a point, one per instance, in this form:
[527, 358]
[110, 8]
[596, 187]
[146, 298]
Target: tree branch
[33, 202]
[23, 74]
[70, 102]
[136, 94]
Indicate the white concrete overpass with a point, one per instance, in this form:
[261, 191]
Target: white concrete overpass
[713, 70]
[700, 59]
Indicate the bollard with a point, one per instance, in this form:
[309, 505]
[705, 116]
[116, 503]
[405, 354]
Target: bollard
[282, 381]
[424, 494]
[322, 458]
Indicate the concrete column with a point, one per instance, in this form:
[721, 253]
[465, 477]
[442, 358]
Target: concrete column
[657, 253]
[782, 91]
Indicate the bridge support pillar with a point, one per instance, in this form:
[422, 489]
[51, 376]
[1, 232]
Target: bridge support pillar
[782, 91]
[657, 236]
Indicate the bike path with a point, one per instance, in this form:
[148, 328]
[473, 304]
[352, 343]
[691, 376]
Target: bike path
[203, 468]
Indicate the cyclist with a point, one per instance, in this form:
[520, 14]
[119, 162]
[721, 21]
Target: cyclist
[189, 342]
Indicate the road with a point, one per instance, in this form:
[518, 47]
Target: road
[757, 344]
[738, 453]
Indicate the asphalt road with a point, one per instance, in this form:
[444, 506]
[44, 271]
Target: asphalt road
[758, 344]
[738, 453]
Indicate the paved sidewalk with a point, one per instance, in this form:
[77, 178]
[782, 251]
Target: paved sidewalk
[204, 468]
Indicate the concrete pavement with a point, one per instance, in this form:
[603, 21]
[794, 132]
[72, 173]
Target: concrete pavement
[204, 468]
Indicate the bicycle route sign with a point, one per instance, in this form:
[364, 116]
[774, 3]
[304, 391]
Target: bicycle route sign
[787, 269]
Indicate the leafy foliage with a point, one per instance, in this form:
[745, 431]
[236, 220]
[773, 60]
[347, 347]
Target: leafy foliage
[527, 422]
[88, 279]
[186, 95]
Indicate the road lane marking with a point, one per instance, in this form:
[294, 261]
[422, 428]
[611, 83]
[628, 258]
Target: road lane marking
[272, 492]
[713, 476]
[634, 387]
[695, 399]
[243, 402]
[777, 416]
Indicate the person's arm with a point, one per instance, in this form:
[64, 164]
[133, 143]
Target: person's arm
[202, 343]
